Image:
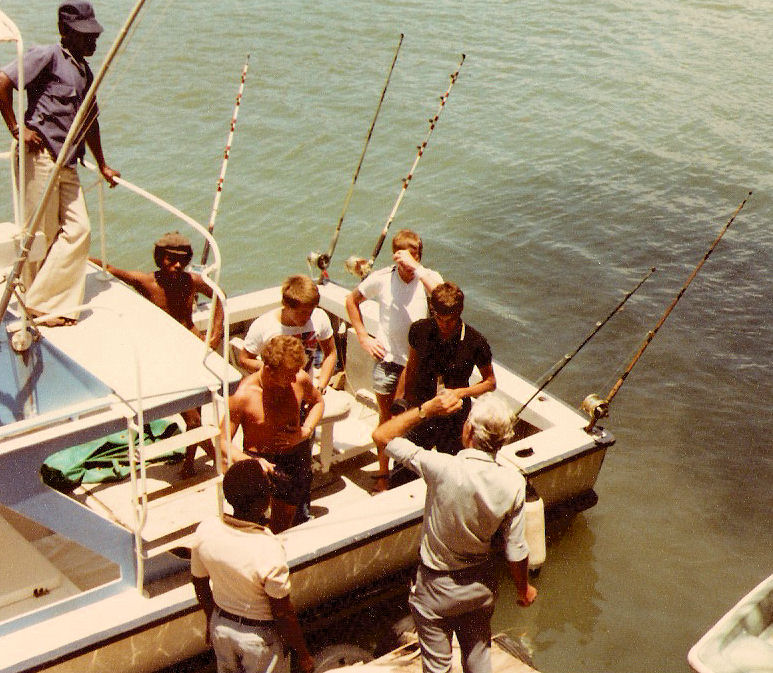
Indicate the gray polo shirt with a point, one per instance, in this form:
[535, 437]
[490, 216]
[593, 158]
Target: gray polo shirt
[56, 84]
[470, 497]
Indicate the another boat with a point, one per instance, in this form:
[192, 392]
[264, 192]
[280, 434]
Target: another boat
[742, 641]
[507, 656]
[98, 578]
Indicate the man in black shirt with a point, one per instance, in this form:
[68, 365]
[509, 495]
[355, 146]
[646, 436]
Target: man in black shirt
[444, 350]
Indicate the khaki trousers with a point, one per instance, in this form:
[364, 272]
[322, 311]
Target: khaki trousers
[59, 281]
[461, 602]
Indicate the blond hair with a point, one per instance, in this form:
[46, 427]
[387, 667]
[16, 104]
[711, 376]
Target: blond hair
[447, 299]
[298, 291]
[406, 239]
[283, 351]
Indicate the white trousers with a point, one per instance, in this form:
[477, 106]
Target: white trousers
[59, 281]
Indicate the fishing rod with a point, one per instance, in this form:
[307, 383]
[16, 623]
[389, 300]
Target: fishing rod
[361, 267]
[224, 167]
[322, 260]
[85, 109]
[597, 407]
[569, 356]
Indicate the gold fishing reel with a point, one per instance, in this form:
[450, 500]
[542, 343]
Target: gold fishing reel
[358, 266]
[596, 407]
[318, 260]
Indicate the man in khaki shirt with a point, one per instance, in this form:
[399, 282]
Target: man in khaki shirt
[471, 499]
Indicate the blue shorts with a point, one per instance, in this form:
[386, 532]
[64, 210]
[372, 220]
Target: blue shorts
[385, 377]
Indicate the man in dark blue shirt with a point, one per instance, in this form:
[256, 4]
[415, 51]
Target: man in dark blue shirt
[444, 350]
[57, 78]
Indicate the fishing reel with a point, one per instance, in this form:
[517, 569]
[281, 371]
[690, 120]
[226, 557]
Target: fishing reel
[358, 266]
[596, 407]
[319, 260]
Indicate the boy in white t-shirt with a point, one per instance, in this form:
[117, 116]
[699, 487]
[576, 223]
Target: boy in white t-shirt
[401, 291]
[298, 316]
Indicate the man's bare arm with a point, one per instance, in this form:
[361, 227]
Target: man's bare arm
[408, 376]
[139, 280]
[519, 571]
[235, 406]
[487, 384]
[287, 624]
[31, 137]
[313, 397]
[328, 363]
[250, 361]
[369, 344]
[94, 141]
[205, 598]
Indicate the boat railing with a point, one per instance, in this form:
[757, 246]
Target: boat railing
[220, 370]
[10, 33]
[210, 274]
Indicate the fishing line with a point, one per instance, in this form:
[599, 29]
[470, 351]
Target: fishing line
[322, 261]
[361, 267]
[570, 356]
[598, 407]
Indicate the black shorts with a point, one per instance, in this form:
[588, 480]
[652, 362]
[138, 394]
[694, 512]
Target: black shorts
[292, 474]
[442, 432]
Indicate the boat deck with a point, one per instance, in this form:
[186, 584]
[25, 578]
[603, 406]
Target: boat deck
[176, 505]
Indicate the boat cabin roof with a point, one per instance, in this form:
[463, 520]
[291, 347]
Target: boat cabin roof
[87, 378]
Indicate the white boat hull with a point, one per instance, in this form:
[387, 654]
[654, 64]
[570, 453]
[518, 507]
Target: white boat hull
[742, 641]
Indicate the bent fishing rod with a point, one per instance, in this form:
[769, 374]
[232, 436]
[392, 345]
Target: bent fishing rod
[85, 110]
[362, 267]
[569, 356]
[322, 260]
[598, 407]
[224, 167]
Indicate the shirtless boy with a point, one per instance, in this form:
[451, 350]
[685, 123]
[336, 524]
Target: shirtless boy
[174, 290]
[267, 406]
[171, 287]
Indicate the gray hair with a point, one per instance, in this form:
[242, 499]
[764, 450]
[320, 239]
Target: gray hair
[490, 422]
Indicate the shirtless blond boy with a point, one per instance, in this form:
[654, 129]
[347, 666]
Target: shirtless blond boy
[267, 406]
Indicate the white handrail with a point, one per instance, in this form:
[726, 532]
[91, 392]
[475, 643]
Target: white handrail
[13, 35]
[217, 293]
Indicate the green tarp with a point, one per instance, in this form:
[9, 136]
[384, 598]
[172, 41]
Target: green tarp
[105, 459]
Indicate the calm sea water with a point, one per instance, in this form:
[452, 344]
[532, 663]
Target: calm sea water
[583, 143]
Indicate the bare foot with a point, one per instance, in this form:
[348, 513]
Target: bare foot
[382, 482]
[59, 321]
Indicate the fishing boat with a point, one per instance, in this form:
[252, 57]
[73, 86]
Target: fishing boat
[508, 655]
[96, 576]
[102, 571]
[742, 640]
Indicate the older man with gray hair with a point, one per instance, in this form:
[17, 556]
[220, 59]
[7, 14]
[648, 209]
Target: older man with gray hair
[471, 500]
